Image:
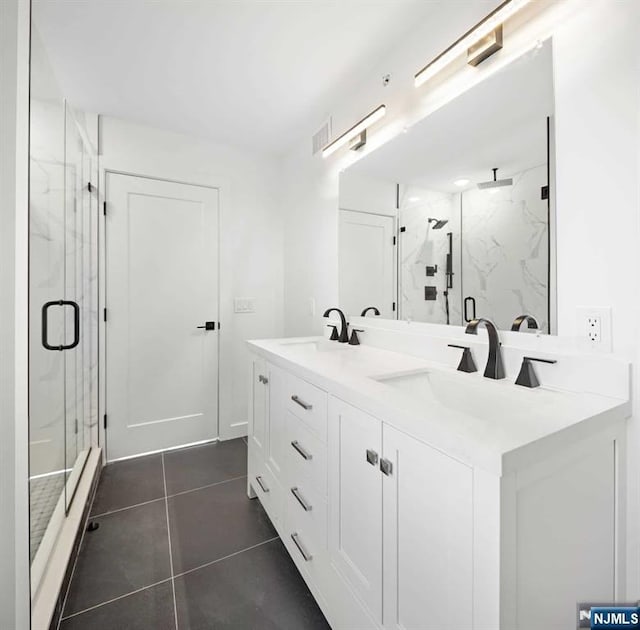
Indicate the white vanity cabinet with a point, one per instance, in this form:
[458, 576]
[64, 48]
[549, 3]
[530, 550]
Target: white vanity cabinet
[428, 537]
[355, 501]
[395, 532]
[397, 503]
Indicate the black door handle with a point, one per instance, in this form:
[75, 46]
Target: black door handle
[208, 326]
[76, 324]
[466, 310]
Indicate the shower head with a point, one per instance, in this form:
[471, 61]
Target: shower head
[438, 223]
[495, 183]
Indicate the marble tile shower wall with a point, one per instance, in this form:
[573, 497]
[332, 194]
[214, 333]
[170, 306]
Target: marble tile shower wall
[420, 245]
[505, 249]
[47, 282]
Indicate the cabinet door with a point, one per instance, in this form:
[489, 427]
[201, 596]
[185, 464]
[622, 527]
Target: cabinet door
[428, 532]
[355, 501]
[275, 452]
[258, 417]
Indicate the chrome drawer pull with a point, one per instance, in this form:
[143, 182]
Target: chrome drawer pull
[305, 554]
[372, 457]
[301, 450]
[386, 467]
[301, 500]
[261, 483]
[304, 405]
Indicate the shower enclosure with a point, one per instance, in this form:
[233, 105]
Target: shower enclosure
[63, 294]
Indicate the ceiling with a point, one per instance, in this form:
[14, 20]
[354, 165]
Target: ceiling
[500, 122]
[244, 72]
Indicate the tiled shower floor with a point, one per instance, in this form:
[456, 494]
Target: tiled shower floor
[44, 493]
[179, 545]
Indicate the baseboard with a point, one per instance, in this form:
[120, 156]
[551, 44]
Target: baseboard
[236, 430]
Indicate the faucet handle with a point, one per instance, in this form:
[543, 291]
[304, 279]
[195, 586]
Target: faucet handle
[527, 376]
[334, 332]
[467, 363]
[355, 341]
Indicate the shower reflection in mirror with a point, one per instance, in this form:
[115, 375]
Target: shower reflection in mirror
[454, 219]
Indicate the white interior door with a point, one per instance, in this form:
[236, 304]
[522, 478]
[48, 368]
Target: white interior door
[367, 263]
[162, 286]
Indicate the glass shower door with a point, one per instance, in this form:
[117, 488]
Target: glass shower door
[63, 319]
[80, 281]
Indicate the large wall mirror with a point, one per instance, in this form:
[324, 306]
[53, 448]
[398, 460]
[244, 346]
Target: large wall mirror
[455, 218]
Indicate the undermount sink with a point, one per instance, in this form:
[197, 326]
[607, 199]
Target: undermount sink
[466, 394]
[318, 345]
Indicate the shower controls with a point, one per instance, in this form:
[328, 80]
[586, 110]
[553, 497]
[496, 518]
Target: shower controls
[430, 293]
[432, 270]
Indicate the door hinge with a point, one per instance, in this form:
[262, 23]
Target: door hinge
[90, 187]
[394, 240]
[393, 306]
[75, 427]
[104, 208]
[104, 421]
[104, 314]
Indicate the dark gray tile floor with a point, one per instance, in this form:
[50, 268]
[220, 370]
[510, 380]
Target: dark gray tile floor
[180, 546]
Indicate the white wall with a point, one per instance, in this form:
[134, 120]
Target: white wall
[14, 156]
[597, 115]
[251, 236]
[597, 107]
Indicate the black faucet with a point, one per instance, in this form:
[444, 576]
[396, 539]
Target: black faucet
[527, 377]
[344, 332]
[370, 308]
[494, 367]
[532, 324]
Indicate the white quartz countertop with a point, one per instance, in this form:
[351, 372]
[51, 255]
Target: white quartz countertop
[494, 425]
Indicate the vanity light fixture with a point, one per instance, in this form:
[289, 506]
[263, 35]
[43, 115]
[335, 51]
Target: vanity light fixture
[357, 133]
[480, 42]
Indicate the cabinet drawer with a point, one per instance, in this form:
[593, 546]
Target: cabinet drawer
[309, 509]
[268, 490]
[306, 456]
[309, 404]
[302, 542]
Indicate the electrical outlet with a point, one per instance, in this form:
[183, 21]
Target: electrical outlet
[594, 326]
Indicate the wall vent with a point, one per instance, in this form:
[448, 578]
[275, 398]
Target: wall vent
[320, 139]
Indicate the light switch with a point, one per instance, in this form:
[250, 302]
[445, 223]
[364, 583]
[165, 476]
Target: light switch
[244, 305]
